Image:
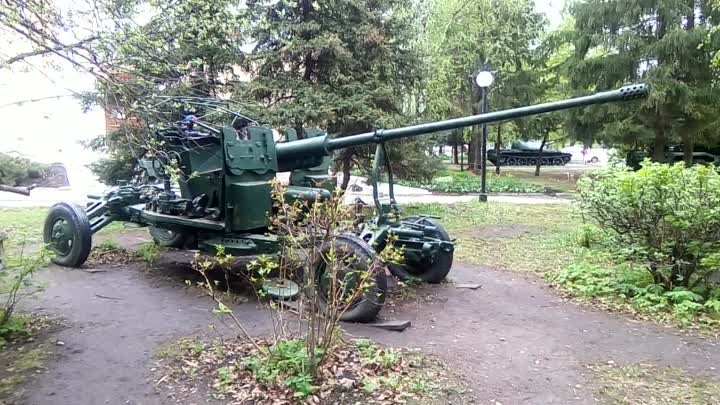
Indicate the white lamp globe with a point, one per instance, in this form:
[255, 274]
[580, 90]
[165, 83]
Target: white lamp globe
[484, 79]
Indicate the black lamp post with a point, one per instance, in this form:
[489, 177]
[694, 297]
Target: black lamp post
[484, 79]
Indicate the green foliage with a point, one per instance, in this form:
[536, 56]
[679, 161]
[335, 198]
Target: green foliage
[288, 363]
[667, 217]
[16, 284]
[628, 283]
[107, 246]
[464, 182]
[110, 170]
[16, 170]
[377, 357]
[663, 42]
[149, 252]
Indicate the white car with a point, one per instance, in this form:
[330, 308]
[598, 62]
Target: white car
[591, 155]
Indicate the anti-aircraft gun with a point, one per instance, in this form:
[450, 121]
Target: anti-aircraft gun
[226, 201]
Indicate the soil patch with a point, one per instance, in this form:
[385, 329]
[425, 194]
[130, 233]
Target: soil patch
[514, 339]
[24, 357]
[357, 372]
[650, 385]
[109, 256]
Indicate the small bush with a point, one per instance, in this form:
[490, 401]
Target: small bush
[16, 284]
[667, 217]
[632, 285]
[149, 253]
[376, 356]
[288, 362]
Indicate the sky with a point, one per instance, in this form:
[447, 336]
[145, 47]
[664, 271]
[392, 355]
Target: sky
[51, 130]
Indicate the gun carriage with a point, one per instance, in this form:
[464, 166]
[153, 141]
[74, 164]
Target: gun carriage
[225, 197]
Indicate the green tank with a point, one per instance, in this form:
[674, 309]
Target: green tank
[527, 154]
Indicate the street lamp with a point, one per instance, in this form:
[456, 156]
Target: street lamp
[484, 79]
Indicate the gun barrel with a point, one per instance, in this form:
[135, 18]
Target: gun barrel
[324, 145]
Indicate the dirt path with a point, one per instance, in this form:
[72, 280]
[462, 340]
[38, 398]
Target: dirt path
[516, 342]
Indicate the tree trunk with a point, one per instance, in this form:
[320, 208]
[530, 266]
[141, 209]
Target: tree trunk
[462, 148]
[299, 131]
[688, 148]
[539, 158]
[346, 166]
[455, 153]
[659, 146]
[498, 144]
[473, 161]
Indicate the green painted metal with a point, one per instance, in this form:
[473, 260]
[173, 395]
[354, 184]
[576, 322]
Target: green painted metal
[306, 149]
[225, 198]
[308, 175]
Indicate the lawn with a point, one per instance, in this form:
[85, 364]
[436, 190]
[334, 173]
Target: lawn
[529, 238]
[24, 226]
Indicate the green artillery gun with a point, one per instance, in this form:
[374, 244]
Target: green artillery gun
[226, 201]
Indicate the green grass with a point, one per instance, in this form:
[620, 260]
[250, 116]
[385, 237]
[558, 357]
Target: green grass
[508, 236]
[554, 178]
[24, 226]
[643, 384]
[466, 182]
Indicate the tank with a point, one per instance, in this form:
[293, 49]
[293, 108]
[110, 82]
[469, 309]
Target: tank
[702, 154]
[526, 154]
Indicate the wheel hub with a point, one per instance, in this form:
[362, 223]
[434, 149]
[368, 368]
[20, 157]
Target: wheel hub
[61, 236]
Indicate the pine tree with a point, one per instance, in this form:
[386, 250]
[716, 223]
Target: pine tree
[344, 65]
[662, 42]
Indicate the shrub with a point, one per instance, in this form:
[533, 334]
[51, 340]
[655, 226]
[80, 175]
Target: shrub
[16, 284]
[15, 170]
[631, 285]
[667, 217]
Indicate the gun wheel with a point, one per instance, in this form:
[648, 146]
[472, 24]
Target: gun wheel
[433, 270]
[355, 256]
[167, 238]
[67, 234]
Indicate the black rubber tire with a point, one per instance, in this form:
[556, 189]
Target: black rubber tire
[167, 238]
[522, 162]
[432, 272]
[557, 162]
[594, 159]
[511, 162]
[79, 226]
[532, 162]
[373, 298]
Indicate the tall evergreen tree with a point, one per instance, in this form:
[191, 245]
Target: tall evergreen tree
[662, 42]
[345, 65]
